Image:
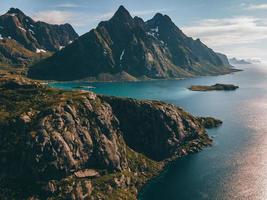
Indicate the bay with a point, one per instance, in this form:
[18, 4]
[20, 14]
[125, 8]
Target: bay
[235, 167]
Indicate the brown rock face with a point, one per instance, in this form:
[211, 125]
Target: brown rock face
[151, 126]
[76, 145]
[70, 138]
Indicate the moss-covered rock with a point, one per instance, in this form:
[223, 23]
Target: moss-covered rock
[49, 136]
[217, 86]
[210, 122]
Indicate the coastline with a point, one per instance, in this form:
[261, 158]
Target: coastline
[196, 147]
[141, 166]
[138, 80]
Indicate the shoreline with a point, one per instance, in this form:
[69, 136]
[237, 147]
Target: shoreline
[137, 80]
[167, 163]
[136, 169]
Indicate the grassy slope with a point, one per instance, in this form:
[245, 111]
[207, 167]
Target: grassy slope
[12, 54]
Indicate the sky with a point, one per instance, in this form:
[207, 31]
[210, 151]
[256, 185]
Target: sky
[237, 28]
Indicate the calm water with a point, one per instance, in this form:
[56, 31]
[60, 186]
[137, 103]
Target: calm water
[236, 166]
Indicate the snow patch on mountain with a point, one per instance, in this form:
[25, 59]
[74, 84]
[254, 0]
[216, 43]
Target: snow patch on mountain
[122, 54]
[40, 50]
[22, 29]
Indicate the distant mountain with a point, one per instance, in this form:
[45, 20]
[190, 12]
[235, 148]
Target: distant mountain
[35, 36]
[245, 61]
[154, 49]
[239, 62]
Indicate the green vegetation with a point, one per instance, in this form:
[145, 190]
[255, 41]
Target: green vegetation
[13, 56]
[64, 115]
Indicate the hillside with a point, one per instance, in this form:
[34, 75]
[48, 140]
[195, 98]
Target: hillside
[14, 54]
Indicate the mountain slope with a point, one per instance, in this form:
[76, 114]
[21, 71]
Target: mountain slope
[35, 36]
[14, 54]
[154, 49]
[224, 59]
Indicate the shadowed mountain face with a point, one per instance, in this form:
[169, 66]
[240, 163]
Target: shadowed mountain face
[153, 49]
[35, 36]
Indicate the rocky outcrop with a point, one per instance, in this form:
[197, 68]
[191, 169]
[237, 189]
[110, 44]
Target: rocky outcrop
[35, 36]
[156, 49]
[78, 145]
[210, 122]
[170, 126]
[217, 86]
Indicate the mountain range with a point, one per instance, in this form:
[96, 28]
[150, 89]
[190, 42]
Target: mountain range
[130, 48]
[18, 31]
[236, 61]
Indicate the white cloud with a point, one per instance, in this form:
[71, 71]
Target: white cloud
[82, 19]
[85, 19]
[53, 16]
[255, 6]
[236, 30]
[245, 52]
[236, 36]
[141, 13]
[67, 5]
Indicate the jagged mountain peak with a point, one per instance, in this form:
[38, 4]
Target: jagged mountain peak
[122, 9]
[156, 48]
[35, 36]
[139, 21]
[161, 17]
[158, 16]
[122, 14]
[15, 11]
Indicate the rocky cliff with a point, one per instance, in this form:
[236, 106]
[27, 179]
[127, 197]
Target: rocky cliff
[78, 145]
[35, 36]
[155, 49]
[224, 59]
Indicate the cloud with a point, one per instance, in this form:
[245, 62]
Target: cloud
[254, 6]
[246, 52]
[229, 31]
[237, 36]
[82, 19]
[67, 5]
[74, 18]
[85, 19]
[141, 13]
[54, 16]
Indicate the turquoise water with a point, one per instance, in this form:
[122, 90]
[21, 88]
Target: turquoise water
[236, 166]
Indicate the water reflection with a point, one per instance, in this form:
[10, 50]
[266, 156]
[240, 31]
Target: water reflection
[236, 166]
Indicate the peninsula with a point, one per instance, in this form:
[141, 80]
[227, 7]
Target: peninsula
[75, 144]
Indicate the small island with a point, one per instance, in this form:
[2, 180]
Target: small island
[218, 87]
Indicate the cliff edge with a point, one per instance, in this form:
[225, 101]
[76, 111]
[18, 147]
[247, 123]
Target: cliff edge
[79, 145]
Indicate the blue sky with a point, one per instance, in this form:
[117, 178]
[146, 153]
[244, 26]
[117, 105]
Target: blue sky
[235, 27]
